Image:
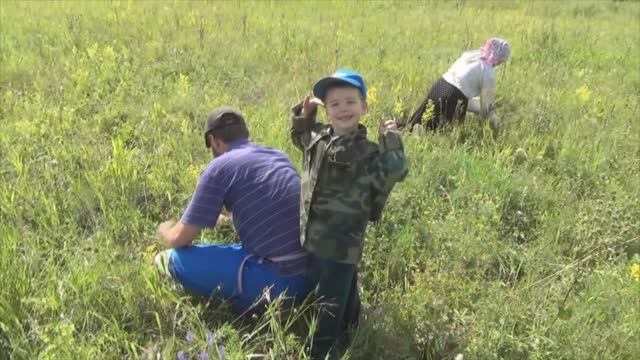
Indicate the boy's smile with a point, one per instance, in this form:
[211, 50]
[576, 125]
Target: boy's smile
[345, 107]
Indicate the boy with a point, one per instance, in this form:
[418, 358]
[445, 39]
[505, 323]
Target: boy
[345, 182]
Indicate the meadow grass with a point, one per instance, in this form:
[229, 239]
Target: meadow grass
[517, 245]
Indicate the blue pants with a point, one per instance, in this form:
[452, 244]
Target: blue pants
[212, 269]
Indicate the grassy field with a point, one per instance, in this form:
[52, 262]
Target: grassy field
[522, 245]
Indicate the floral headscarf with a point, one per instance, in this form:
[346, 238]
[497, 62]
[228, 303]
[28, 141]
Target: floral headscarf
[495, 51]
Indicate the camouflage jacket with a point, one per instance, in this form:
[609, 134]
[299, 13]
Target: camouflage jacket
[345, 183]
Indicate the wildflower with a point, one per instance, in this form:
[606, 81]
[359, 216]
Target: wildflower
[189, 337]
[91, 51]
[372, 95]
[398, 107]
[430, 110]
[203, 355]
[210, 338]
[184, 84]
[194, 171]
[222, 352]
[150, 252]
[182, 355]
[583, 93]
[634, 271]
[108, 54]
[459, 357]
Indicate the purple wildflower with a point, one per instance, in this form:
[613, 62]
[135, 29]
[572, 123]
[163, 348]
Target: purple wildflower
[182, 355]
[222, 352]
[189, 337]
[210, 338]
[203, 355]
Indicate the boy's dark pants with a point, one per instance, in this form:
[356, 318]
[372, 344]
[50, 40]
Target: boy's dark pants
[336, 288]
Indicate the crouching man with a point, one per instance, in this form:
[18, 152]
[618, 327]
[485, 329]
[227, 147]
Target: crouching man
[261, 189]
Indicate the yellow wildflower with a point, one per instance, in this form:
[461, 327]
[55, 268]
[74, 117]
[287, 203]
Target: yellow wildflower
[428, 113]
[583, 93]
[634, 271]
[194, 172]
[149, 253]
[184, 85]
[372, 95]
[398, 107]
[92, 50]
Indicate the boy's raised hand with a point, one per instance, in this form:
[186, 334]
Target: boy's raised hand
[310, 104]
[388, 125]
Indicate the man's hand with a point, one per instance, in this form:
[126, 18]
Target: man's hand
[177, 234]
[164, 228]
[387, 125]
[224, 220]
[310, 104]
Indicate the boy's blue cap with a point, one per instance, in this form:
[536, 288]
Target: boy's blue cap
[341, 76]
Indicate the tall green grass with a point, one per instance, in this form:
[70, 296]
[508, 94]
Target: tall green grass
[520, 245]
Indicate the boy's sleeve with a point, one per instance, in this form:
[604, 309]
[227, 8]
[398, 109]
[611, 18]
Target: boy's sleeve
[390, 167]
[302, 126]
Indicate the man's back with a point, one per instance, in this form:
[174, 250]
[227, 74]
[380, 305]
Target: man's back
[261, 188]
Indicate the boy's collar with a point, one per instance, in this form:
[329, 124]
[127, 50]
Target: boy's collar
[360, 131]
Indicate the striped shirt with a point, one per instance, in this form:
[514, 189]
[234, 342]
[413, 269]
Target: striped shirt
[261, 188]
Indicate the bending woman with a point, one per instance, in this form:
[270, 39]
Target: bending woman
[468, 85]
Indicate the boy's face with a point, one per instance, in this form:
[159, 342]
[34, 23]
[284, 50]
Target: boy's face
[345, 107]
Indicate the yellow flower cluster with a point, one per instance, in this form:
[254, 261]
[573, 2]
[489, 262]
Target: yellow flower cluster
[149, 253]
[372, 95]
[583, 93]
[634, 271]
[193, 172]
